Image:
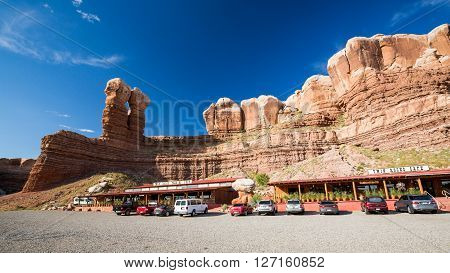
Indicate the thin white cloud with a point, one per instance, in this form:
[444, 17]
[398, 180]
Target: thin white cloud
[414, 8]
[77, 129]
[65, 126]
[66, 57]
[90, 17]
[86, 130]
[21, 36]
[58, 114]
[77, 3]
[48, 7]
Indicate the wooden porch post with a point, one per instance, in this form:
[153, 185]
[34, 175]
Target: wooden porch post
[146, 199]
[299, 192]
[385, 189]
[326, 191]
[354, 190]
[420, 185]
[275, 193]
[158, 198]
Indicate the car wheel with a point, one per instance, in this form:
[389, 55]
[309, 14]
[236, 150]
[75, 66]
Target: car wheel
[396, 208]
[337, 213]
[386, 212]
[259, 213]
[410, 210]
[206, 211]
[246, 213]
[288, 213]
[366, 211]
[434, 211]
[127, 212]
[362, 209]
[181, 215]
[193, 213]
[167, 213]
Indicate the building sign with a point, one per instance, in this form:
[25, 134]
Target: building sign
[399, 169]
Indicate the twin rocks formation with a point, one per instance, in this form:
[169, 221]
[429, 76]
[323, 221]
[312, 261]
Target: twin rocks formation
[315, 104]
[385, 91]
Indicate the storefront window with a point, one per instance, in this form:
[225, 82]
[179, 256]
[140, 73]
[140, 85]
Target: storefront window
[446, 185]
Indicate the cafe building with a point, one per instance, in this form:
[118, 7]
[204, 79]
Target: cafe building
[419, 178]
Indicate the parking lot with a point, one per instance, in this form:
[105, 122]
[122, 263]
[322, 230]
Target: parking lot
[57, 231]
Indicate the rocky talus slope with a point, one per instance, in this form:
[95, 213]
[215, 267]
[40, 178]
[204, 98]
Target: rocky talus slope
[384, 92]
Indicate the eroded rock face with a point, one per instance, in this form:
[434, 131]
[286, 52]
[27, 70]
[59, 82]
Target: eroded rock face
[122, 124]
[14, 173]
[225, 116]
[391, 92]
[394, 87]
[392, 53]
[261, 112]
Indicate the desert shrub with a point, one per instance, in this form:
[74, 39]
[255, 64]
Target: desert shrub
[224, 207]
[261, 179]
[256, 198]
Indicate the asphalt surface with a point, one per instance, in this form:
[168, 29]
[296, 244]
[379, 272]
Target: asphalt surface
[57, 231]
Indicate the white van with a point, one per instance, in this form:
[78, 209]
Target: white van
[190, 207]
[77, 201]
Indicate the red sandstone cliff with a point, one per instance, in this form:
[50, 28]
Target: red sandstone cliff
[384, 91]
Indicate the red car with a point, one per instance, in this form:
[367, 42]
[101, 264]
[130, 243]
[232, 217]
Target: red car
[147, 209]
[374, 204]
[240, 209]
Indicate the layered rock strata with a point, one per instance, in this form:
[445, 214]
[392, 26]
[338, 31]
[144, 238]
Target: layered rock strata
[385, 92]
[14, 173]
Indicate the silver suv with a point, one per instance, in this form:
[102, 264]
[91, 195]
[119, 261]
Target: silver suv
[266, 207]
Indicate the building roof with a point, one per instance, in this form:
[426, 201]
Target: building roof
[175, 191]
[387, 176]
[194, 182]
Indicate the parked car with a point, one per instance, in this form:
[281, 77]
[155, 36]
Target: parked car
[266, 207]
[374, 204]
[294, 206]
[163, 210]
[328, 207]
[413, 203]
[147, 209]
[190, 207]
[126, 208]
[240, 209]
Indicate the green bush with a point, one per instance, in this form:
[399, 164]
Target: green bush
[224, 208]
[261, 179]
[256, 198]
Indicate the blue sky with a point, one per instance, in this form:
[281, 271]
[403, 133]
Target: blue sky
[56, 56]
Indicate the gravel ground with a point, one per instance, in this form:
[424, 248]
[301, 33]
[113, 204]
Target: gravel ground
[57, 231]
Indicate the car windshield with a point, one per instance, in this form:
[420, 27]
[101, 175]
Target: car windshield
[238, 205]
[420, 197]
[327, 203]
[266, 202]
[293, 202]
[375, 200]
